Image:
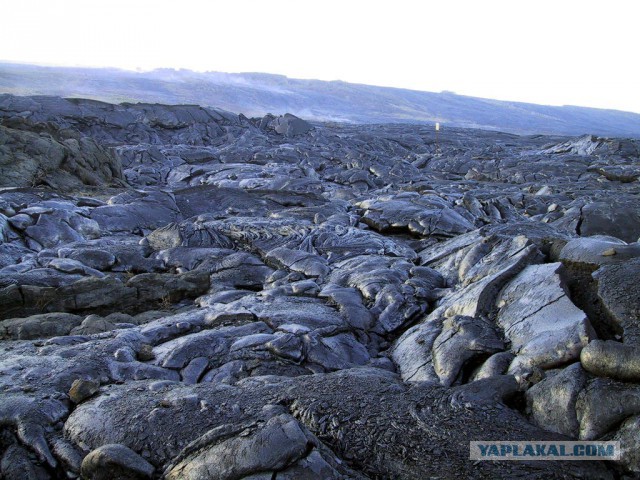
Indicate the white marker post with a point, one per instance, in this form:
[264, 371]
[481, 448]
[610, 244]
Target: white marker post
[437, 130]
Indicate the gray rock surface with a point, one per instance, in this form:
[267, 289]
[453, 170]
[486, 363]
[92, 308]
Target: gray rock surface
[627, 435]
[264, 298]
[603, 404]
[39, 326]
[54, 157]
[619, 298]
[290, 125]
[82, 389]
[551, 403]
[545, 329]
[115, 461]
[612, 359]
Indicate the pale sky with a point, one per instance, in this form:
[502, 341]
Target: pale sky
[556, 52]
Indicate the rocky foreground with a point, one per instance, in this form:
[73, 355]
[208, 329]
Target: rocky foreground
[187, 293]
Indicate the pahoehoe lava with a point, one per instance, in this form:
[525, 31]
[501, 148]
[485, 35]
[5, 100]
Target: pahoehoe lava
[187, 293]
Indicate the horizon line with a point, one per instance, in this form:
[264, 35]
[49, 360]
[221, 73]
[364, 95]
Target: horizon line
[141, 71]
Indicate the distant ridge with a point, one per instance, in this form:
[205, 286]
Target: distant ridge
[256, 94]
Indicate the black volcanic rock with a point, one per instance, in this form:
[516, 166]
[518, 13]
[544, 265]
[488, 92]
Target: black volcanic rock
[619, 218]
[33, 158]
[342, 301]
[290, 125]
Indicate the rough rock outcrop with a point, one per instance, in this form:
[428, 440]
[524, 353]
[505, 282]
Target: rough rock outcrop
[34, 158]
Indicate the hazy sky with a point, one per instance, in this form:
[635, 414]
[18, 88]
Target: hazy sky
[543, 51]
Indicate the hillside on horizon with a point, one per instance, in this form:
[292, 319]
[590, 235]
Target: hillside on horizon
[255, 94]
